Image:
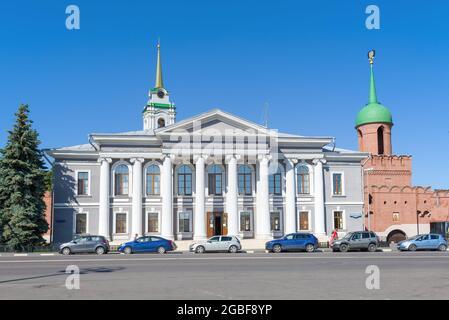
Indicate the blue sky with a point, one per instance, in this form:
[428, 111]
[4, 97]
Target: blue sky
[307, 59]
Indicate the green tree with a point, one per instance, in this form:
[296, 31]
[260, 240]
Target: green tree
[22, 185]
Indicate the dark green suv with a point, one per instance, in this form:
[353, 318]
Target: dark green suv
[360, 240]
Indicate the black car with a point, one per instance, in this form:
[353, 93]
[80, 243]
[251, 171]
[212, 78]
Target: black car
[360, 240]
[85, 244]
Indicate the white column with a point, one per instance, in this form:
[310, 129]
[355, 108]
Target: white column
[199, 228]
[231, 197]
[263, 201]
[137, 197]
[320, 228]
[103, 219]
[167, 199]
[290, 198]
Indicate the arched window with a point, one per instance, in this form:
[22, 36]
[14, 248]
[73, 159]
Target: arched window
[161, 123]
[380, 140]
[215, 179]
[244, 180]
[303, 179]
[184, 180]
[153, 182]
[122, 180]
[275, 182]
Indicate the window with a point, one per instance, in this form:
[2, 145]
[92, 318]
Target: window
[215, 175]
[275, 183]
[303, 220]
[184, 181]
[81, 223]
[289, 237]
[214, 239]
[275, 221]
[184, 222]
[161, 123]
[122, 180]
[245, 221]
[366, 235]
[338, 220]
[395, 216]
[244, 180]
[434, 237]
[143, 239]
[152, 222]
[83, 183]
[303, 180]
[380, 140]
[226, 239]
[337, 184]
[153, 180]
[120, 223]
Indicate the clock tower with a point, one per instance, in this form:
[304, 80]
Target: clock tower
[159, 111]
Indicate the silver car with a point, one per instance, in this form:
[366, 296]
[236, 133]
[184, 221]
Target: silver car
[217, 244]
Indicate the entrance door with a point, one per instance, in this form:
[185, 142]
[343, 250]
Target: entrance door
[217, 224]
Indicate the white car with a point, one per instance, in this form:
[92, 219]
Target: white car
[217, 244]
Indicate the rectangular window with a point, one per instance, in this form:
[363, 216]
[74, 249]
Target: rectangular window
[215, 184]
[81, 223]
[153, 222]
[120, 223]
[245, 221]
[184, 221]
[338, 220]
[303, 220]
[83, 183]
[395, 216]
[275, 221]
[275, 184]
[337, 183]
[153, 184]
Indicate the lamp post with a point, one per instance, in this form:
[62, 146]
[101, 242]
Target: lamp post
[369, 196]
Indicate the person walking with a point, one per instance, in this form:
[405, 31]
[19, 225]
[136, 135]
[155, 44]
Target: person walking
[334, 236]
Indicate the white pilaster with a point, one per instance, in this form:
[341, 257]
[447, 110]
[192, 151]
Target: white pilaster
[263, 201]
[290, 197]
[199, 228]
[231, 196]
[137, 197]
[103, 223]
[167, 199]
[320, 228]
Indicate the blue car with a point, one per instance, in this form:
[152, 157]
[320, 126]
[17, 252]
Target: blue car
[147, 244]
[293, 242]
[424, 242]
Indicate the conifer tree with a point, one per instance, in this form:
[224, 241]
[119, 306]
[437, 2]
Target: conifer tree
[22, 185]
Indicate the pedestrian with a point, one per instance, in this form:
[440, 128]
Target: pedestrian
[136, 236]
[334, 236]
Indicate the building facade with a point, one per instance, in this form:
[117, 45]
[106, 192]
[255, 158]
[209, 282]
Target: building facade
[397, 208]
[214, 173]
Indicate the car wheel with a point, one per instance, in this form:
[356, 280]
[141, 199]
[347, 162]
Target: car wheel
[127, 250]
[344, 248]
[442, 247]
[310, 248]
[233, 249]
[161, 250]
[99, 250]
[66, 251]
[372, 247]
[199, 249]
[412, 247]
[277, 248]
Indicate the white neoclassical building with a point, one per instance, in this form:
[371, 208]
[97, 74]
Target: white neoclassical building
[214, 173]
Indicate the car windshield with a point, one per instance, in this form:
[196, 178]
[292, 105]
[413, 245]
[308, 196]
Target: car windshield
[415, 237]
[348, 236]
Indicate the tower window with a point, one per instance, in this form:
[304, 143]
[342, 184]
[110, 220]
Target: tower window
[380, 140]
[161, 123]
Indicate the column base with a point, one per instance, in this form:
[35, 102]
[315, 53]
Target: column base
[264, 236]
[168, 237]
[199, 237]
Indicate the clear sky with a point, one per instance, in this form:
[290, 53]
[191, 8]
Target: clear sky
[306, 59]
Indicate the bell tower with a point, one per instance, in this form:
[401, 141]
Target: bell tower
[374, 122]
[159, 111]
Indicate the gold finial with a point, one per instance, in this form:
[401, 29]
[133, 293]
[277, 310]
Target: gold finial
[371, 55]
[159, 82]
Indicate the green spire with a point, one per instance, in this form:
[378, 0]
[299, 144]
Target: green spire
[373, 112]
[159, 82]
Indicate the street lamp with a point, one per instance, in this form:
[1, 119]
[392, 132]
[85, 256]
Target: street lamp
[369, 197]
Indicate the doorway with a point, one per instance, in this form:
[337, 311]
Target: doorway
[217, 224]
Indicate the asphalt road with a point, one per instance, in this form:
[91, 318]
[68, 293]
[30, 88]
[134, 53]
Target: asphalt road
[419, 275]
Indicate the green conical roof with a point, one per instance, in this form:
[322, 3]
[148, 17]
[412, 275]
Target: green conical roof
[373, 112]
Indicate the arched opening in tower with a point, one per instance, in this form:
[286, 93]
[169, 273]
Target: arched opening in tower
[380, 140]
[161, 123]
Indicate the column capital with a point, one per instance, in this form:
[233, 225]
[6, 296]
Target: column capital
[101, 159]
[292, 161]
[230, 157]
[316, 161]
[141, 160]
[264, 157]
[172, 157]
[197, 157]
